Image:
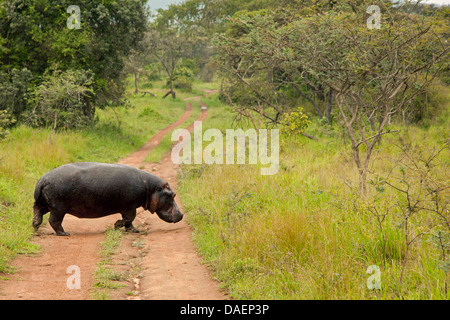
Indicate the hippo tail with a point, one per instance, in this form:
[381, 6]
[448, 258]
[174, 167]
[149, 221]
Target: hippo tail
[40, 205]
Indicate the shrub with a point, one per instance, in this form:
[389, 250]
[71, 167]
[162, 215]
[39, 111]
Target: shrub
[5, 121]
[184, 84]
[152, 72]
[14, 87]
[295, 122]
[183, 78]
[62, 99]
[428, 105]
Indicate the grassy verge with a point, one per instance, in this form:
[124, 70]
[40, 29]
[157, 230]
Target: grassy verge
[105, 276]
[28, 153]
[303, 233]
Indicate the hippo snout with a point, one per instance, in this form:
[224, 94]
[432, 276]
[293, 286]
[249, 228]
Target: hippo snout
[172, 215]
[177, 216]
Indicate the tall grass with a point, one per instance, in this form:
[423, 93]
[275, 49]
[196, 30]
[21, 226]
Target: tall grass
[304, 233]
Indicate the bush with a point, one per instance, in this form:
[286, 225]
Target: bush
[152, 72]
[183, 78]
[5, 121]
[208, 72]
[184, 84]
[427, 105]
[14, 87]
[63, 98]
[183, 72]
[295, 122]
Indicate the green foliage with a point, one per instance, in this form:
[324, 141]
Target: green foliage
[183, 77]
[420, 178]
[34, 39]
[152, 72]
[295, 122]
[183, 83]
[62, 99]
[5, 122]
[183, 72]
[319, 52]
[14, 90]
[428, 105]
[190, 66]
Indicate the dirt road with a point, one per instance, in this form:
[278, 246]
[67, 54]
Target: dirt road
[167, 263]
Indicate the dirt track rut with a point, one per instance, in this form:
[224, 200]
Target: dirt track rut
[165, 257]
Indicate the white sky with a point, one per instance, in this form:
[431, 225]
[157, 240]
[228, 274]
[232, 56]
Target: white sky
[156, 4]
[447, 2]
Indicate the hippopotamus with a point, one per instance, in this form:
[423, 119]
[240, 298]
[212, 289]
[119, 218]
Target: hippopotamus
[94, 190]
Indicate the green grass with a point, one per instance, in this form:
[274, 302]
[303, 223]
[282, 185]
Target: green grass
[303, 233]
[27, 153]
[166, 143]
[106, 278]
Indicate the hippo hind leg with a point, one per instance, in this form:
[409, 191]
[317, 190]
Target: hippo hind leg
[55, 221]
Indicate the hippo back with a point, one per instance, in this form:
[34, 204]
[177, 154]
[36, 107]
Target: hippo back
[91, 190]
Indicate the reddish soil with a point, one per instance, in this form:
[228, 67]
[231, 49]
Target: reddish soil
[161, 262]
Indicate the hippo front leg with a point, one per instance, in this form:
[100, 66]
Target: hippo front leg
[118, 224]
[127, 222]
[55, 221]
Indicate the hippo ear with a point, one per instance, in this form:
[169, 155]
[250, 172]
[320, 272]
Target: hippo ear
[154, 200]
[170, 193]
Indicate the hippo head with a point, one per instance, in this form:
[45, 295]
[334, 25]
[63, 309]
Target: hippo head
[163, 203]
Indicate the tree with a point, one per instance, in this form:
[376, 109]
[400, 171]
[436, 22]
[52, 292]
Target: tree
[167, 48]
[14, 91]
[260, 74]
[5, 122]
[61, 100]
[136, 64]
[169, 42]
[34, 36]
[374, 72]
[325, 53]
[200, 20]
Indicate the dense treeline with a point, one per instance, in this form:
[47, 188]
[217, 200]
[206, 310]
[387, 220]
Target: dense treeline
[283, 62]
[256, 47]
[50, 74]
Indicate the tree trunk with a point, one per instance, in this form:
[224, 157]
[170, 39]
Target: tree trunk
[171, 89]
[136, 82]
[54, 126]
[172, 93]
[329, 105]
[361, 169]
[362, 182]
